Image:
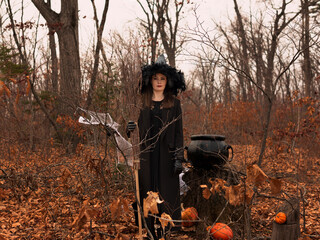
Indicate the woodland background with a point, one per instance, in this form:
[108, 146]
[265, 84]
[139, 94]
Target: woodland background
[255, 80]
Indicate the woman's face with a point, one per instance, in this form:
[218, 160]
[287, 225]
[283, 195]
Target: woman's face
[159, 82]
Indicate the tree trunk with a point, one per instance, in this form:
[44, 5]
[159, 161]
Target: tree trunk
[66, 26]
[227, 96]
[69, 55]
[69, 68]
[244, 55]
[98, 48]
[216, 208]
[290, 230]
[54, 62]
[54, 58]
[266, 130]
[307, 70]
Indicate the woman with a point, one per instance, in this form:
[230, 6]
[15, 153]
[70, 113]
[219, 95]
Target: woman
[161, 137]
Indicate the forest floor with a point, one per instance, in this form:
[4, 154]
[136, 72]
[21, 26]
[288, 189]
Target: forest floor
[46, 194]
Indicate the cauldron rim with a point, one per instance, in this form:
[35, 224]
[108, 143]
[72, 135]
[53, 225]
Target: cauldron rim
[208, 137]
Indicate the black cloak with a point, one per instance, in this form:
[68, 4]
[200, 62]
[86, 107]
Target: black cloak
[170, 139]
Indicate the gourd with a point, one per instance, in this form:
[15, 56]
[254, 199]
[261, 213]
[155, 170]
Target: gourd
[189, 213]
[280, 218]
[221, 231]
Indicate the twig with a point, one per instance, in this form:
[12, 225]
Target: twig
[5, 174]
[317, 236]
[103, 233]
[91, 234]
[267, 196]
[221, 212]
[171, 220]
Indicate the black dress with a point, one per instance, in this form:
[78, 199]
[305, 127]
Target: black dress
[160, 130]
[155, 112]
[155, 117]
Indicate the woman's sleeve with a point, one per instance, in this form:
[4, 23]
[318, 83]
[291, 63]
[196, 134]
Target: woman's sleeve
[179, 130]
[140, 126]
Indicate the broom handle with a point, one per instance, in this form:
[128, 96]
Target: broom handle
[136, 166]
[138, 200]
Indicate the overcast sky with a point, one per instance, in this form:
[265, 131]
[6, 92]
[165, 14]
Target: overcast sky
[123, 14]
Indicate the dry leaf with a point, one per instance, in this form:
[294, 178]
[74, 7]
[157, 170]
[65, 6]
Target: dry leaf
[150, 203]
[7, 90]
[1, 87]
[184, 237]
[4, 88]
[17, 98]
[217, 185]
[2, 238]
[28, 86]
[118, 207]
[255, 175]
[122, 236]
[249, 195]
[236, 194]
[125, 205]
[13, 80]
[91, 213]
[275, 186]
[17, 224]
[304, 238]
[66, 174]
[79, 222]
[86, 213]
[165, 222]
[233, 195]
[3, 194]
[205, 192]
[115, 209]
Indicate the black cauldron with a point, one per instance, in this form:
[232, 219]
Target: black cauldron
[206, 151]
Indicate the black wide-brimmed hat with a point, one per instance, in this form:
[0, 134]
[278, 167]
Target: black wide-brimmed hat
[175, 78]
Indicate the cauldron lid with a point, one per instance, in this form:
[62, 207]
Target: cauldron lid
[208, 137]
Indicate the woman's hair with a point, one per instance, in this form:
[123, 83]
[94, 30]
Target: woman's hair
[175, 78]
[175, 82]
[146, 96]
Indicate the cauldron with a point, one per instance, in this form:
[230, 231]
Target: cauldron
[206, 151]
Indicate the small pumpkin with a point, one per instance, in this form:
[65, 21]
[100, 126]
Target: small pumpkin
[220, 231]
[280, 218]
[188, 214]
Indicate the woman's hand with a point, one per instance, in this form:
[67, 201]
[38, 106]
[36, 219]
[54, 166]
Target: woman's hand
[131, 126]
[177, 162]
[177, 167]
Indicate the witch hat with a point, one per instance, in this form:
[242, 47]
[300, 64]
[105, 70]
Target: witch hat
[175, 78]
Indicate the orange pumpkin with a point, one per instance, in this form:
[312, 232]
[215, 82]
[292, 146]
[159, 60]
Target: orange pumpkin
[188, 214]
[280, 218]
[221, 231]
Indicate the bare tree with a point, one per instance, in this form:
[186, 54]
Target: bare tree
[306, 67]
[127, 60]
[161, 21]
[244, 54]
[65, 24]
[98, 47]
[21, 46]
[265, 42]
[206, 74]
[54, 58]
